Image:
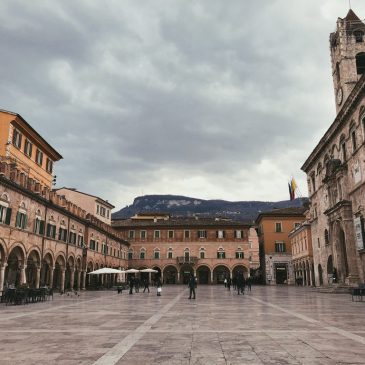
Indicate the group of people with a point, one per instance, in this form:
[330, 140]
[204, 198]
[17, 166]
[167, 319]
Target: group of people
[135, 283]
[239, 283]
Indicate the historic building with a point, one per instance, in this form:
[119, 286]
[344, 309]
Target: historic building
[46, 239]
[302, 254]
[24, 148]
[92, 204]
[336, 167]
[210, 248]
[274, 228]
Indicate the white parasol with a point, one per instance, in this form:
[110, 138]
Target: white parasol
[148, 270]
[106, 270]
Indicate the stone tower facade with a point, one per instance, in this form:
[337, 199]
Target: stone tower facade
[347, 56]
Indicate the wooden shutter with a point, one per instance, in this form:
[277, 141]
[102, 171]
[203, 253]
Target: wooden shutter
[41, 227]
[25, 222]
[8, 216]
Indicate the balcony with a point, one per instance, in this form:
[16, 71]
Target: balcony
[191, 260]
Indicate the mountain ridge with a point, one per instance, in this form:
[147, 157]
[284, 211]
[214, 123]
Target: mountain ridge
[179, 205]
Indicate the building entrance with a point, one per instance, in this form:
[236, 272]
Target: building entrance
[281, 273]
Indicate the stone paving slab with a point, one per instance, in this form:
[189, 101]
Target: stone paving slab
[270, 325]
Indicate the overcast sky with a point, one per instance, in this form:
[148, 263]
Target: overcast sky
[209, 99]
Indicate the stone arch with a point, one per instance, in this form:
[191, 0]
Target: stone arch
[47, 269]
[185, 271]
[170, 274]
[90, 279]
[15, 270]
[239, 267]
[59, 272]
[203, 274]
[3, 256]
[220, 272]
[33, 266]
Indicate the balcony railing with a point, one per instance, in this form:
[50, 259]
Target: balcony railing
[192, 260]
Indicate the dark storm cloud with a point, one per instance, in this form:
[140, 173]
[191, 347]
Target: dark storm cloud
[211, 99]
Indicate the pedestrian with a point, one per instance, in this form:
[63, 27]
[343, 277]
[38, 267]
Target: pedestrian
[159, 286]
[146, 285]
[225, 282]
[240, 284]
[131, 284]
[229, 282]
[136, 284]
[234, 282]
[192, 286]
[249, 283]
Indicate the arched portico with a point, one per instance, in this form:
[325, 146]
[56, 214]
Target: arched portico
[47, 270]
[240, 269]
[33, 269]
[70, 273]
[170, 275]
[59, 273]
[15, 270]
[185, 271]
[203, 274]
[220, 272]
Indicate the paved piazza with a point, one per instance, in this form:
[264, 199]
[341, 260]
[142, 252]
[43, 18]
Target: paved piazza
[270, 325]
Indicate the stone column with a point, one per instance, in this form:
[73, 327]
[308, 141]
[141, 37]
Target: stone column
[102, 279]
[83, 280]
[51, 271]
[72, 278]
[62, 284]
[178, 277]
[309, 276]
[231, 274]
[212, 277]
[150, 277]
[23, 277]
[37, 277]
[78, 280]
[2, 276]
[161, 276]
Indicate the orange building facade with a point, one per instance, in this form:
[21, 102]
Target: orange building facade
[26, 150]
[211, 249]
[274, 228]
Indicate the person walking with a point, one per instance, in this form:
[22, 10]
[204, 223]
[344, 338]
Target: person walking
[136, 284]
[159, 286]
[131, 285]
[234, 282]
[225, 282]
[229, 282]
[146, 285]
[240, 284]
[192, 286]
[249, 283]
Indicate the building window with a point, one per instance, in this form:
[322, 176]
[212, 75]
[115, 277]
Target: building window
[131, 235]
[80, 240]
[186, 233]
[326, 237]
[171, 234]
[360, 63]
[142, 254]
[72, 238]
[239, 255]
[238, 234]
[130, 255]
[143, 235]
[156, 254]
[39, 157]
[313, 180]
[202, 234]
[343, 147]
[186, 255]
[62, 234]
[220, 234]
[92, 245]
[51, 230]
[97, 208]
[21, 220]
[156, 234]
[221, 254]
[169, 254]
[38, 226]
[296, 224]
[17, 139]
[5, 214]
[278, 227]
[359, 36]
[202, 254]
[102, 211]
[353, 140]
[49, 165]
[28, 148]
[107, 213]
[280, 247]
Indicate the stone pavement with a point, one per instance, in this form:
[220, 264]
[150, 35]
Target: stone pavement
[270, 325]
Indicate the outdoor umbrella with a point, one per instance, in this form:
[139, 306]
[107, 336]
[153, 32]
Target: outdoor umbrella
[131, 271]
[106, 270]
[148, 270]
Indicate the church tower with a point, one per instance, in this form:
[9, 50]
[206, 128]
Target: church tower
[347, 55]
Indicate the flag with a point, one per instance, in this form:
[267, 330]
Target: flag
[293, 187]
[290, 192]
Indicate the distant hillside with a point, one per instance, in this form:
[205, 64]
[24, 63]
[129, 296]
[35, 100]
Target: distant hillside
[184, 206]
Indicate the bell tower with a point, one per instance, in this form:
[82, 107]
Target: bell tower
[347, 45]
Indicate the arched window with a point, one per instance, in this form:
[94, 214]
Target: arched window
[326, 237]
[170, 253]
[359, 36]
[343, 148]
[156, 253]
[202, 253]
[130, 254]
[142, 253]
[187, 255]
[239, 253]
[221, 253]
[360, 63]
